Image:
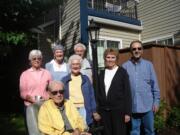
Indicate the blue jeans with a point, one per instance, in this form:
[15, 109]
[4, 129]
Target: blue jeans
[147, 121]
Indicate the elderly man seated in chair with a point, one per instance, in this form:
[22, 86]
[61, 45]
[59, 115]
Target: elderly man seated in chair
[58, 116]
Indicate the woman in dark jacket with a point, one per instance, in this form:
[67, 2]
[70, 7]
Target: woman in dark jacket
[113, 95]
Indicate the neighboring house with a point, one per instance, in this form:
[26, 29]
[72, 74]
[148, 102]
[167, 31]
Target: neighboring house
[117, 19]
[160, 20]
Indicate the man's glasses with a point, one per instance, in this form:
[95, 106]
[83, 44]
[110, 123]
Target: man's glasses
[138, 48]
[37, 58]
[56, 92]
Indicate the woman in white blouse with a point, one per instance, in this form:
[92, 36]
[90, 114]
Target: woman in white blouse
[57, 67]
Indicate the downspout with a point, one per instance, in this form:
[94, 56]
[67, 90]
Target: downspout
[84, 21]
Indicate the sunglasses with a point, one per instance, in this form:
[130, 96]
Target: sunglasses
[56, 92]
[38, 58]
[138, 48]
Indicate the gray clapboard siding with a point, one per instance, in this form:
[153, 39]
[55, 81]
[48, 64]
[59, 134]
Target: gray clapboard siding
[125, 35]
[70, 27]
[159, 17]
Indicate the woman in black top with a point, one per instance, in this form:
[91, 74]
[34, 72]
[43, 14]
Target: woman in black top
[113, 95]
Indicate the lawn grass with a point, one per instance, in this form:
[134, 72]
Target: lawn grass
[12, 124]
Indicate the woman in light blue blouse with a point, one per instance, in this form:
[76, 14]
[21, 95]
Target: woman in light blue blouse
[57, 67]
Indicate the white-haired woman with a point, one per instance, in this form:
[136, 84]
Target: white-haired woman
[57, 67]
[79, 90]
[33, 81]
[86, 69]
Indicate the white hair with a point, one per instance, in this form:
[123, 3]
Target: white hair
[34, 53]
[79, 45]
[74, 57]
[57, 47]
[54, 83]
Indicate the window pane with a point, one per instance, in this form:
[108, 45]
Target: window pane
[170, 41]
[101, 46]
[112, 44]
[100, 52]
[165, 41]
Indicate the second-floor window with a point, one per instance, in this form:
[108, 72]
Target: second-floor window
[115, 7]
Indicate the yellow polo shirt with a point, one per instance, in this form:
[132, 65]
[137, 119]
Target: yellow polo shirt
[75, 91]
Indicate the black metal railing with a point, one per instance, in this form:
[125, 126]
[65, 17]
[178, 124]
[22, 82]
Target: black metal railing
[121, 7]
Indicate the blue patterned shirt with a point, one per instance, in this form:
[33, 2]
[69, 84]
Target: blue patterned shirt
[144, 85]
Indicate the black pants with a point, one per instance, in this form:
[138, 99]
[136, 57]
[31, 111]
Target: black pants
[95, 128]
[113, 122]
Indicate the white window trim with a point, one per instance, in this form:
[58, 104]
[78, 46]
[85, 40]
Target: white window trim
[115, 23]
[112, 39]
[105, 38]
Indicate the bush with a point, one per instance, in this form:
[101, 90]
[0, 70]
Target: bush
[174, 117]
[12, 124]
[13, 38]
[160, 120]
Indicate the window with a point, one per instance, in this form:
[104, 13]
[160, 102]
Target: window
[105, 43]
[112, 7]
[168, 41]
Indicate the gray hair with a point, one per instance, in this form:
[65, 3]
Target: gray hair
[79, 45]
[34, 53]
[53, 83]
[74, 57]
[57, 47]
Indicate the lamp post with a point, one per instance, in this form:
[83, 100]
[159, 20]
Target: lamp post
[93, 30]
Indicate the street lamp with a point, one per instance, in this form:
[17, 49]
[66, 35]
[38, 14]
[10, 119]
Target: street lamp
[93, 30]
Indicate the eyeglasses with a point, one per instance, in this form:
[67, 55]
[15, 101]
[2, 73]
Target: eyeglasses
[138, 48]
[38, 58]
[56, 92]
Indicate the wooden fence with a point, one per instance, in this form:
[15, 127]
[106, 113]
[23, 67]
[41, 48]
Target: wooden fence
[166, 61]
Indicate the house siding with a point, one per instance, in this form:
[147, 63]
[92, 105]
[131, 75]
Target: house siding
[73, 27]
[159, 18]
[70, 24]
[125, 35]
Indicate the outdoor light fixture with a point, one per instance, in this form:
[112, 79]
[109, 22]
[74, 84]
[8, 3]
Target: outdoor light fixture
[93, 30]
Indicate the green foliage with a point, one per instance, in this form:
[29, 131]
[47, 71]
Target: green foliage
[13, 38]
[160, 120]
[171, 120]
[174, 117]
[159, 123]
[12, 124]
[18, 122]
[18, 15]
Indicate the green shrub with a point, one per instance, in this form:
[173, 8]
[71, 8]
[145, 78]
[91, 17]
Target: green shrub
[160, 120]
[12, 124]
[13, 37]
[174, 117]
[18, 122]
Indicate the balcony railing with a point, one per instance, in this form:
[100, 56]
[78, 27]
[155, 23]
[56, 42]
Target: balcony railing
[121, 8]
